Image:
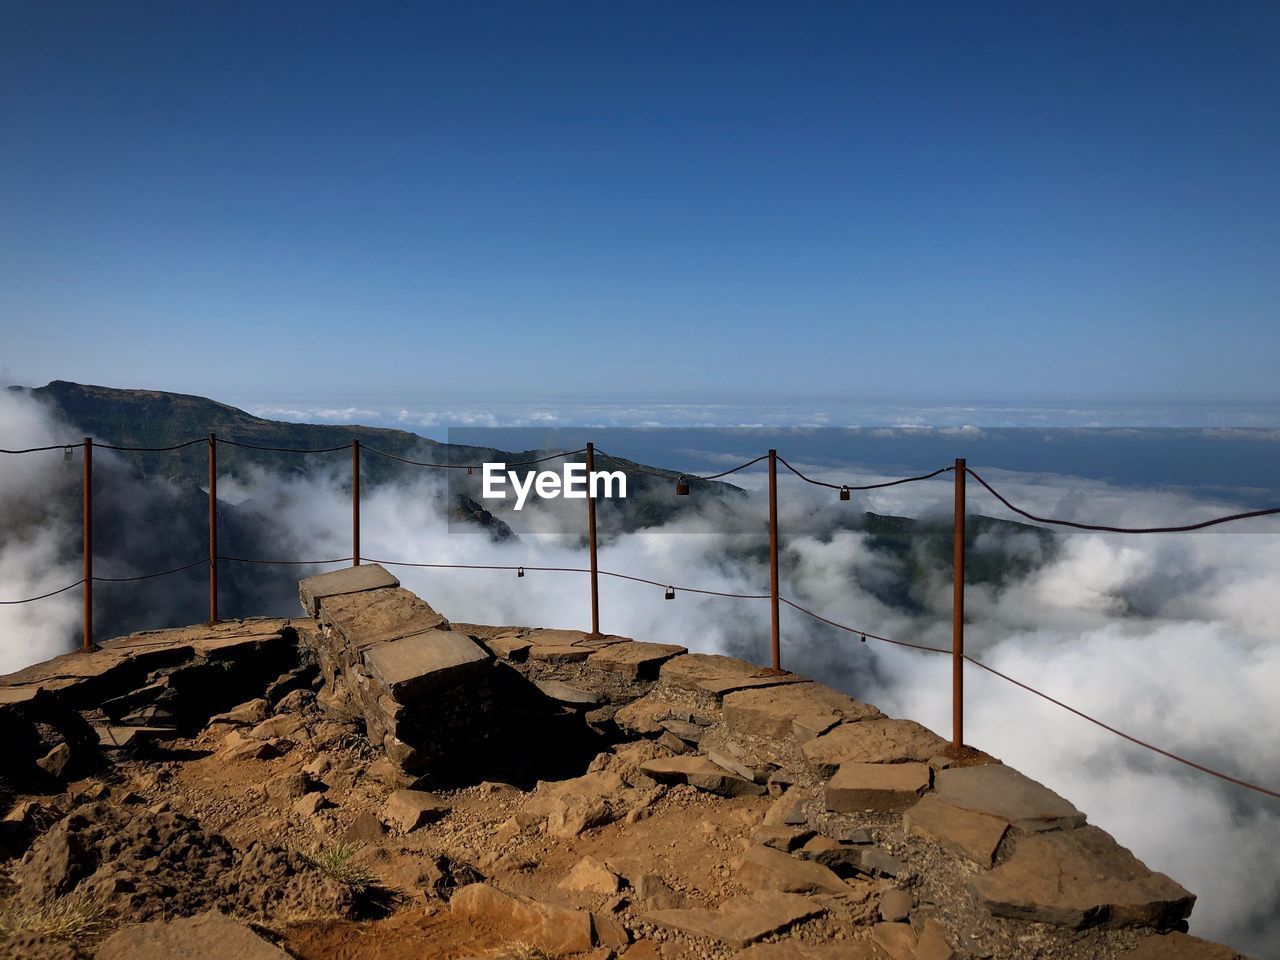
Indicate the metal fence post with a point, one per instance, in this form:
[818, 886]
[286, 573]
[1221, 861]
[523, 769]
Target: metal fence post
[957, 615]
[355, 503]
[213, 528]
[773, 559]
[86, 643]
[591, 539]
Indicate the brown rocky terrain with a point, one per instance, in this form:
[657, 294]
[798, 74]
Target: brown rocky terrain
[371, 780]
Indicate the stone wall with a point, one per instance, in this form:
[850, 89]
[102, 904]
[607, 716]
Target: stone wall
[420, 687]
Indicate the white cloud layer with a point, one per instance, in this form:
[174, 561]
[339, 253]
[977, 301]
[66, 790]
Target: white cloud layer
[1171, 638]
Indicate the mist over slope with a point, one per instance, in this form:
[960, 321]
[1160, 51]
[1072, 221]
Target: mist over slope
[1170, 638]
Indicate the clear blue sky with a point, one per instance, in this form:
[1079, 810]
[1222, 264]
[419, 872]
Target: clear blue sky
[695, 201]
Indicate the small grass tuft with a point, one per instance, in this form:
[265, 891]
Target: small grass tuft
[73, 917]
[335, 863]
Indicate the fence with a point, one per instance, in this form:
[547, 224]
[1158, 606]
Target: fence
[960, 471]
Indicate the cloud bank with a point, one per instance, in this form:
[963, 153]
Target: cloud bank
[1170, 638]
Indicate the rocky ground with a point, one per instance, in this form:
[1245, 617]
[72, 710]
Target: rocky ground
[373, 781]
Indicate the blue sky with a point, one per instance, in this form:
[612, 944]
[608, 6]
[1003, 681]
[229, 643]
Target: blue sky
[812, 203]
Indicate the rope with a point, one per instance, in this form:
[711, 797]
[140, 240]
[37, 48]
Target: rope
[862, 633]
[51, 593]
[176, 446]
[254, 446]
[603, 573]
[865, 486]
[152, 576]
[291, 563]
[60, 446]
[667, 475]
[1120, 733]
[1089, 526]
[465, 466]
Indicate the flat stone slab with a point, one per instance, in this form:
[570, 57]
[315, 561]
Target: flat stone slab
[558, 653]
[550, 929]
[210, 936]
[762, 678]
[897, 940]
[1081, 878]
[552, 637]
[563, 692]
[367, 576]
[508, 647]
[115, 737]
[1179, 946]
[1003, 792]
[232, 645]
[883, 787]
[797, 950]
[765, 868]
[412, 666]
[872, 741]
[691, 669]
[741, 920]
[701, 773]
[974, 836]
[379, 616]
[793, 710]
[636, 661]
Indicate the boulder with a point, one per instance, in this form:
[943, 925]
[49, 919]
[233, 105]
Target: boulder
[1080, 878]
[56, 761]
[653, 893]
[882, 787]
[410, 809]
[287, 787]
[895, 906]
[365, 828]
[590, 875]
[1003, 792]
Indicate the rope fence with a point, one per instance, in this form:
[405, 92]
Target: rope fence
[959, 470]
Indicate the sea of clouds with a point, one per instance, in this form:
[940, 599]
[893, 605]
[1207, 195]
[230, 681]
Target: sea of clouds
[1171, 638]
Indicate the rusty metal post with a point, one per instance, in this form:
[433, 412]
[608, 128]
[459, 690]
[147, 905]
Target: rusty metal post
[355, 503]
[957, 615]
[86, 643]
[213, 528]
[591, 540]
[773, 559]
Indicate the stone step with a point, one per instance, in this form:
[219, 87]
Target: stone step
[1081, 878]
[1003, 792]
